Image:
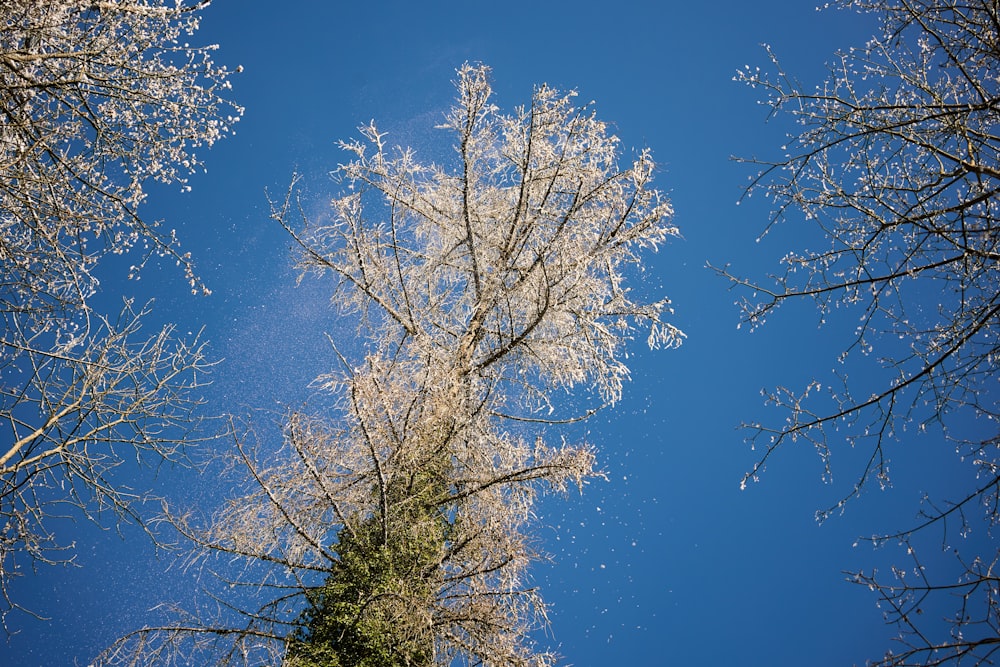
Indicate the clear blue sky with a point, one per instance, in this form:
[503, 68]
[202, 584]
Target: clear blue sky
[667, 563]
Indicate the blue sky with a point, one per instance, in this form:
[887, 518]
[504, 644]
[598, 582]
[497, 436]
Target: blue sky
[666, 563]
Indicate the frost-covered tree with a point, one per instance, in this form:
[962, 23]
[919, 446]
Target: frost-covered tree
[395, 530]
[897, 161]
[97, 98]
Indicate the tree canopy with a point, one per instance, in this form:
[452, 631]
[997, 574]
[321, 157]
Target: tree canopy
[896, 161]
[394, 528]
[97, 99]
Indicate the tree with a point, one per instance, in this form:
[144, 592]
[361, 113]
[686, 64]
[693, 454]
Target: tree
[96, 100]
[897, 161]
[396, 529]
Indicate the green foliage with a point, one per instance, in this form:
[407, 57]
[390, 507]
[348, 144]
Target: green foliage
[371, 610]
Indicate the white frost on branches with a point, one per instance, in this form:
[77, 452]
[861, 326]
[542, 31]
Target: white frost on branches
[97, 99]
[483, 288]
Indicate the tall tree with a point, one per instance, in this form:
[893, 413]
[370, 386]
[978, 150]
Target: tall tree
[396, 530]
[96, 99]
[897, 161]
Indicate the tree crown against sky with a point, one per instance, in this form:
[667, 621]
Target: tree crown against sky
[99, 98]
[399, 525]
[896, 162]
[96, 100]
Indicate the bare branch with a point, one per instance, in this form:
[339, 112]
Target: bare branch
[896, 163]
